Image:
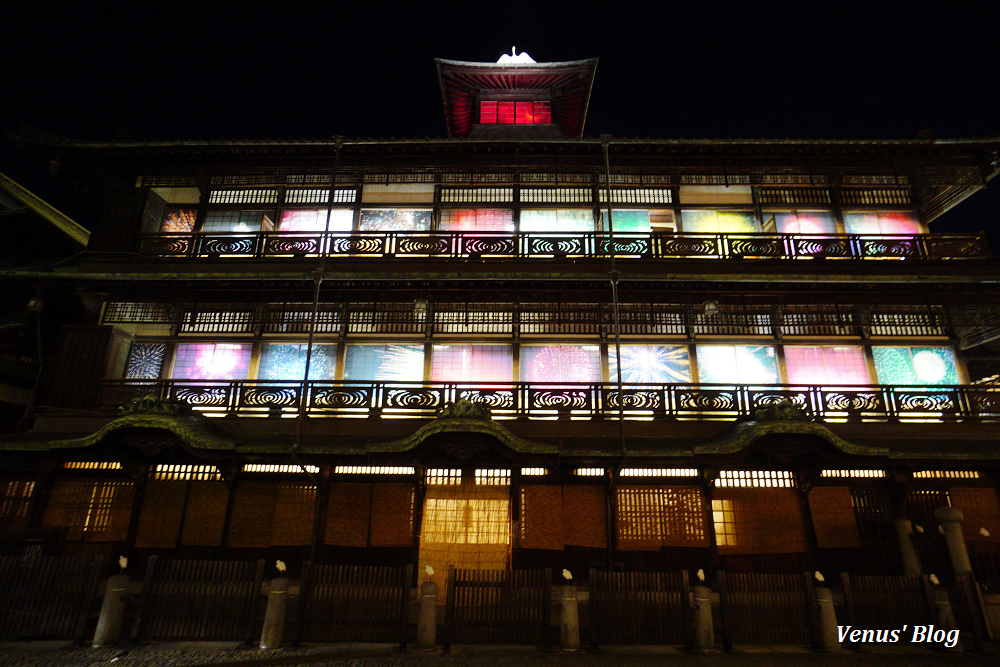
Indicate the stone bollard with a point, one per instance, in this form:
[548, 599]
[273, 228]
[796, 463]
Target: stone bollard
[570, 619]
[427, 616]
[828, 639]
[907, 551]
[951, 522]
[704, 628]
[109, 624]
[274, 617]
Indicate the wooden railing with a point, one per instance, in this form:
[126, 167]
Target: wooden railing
[530, 245]
[510, 400]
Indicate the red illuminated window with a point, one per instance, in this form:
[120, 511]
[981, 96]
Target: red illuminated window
[521, 113]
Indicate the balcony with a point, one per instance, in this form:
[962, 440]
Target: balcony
[569, 401]
[537, 245]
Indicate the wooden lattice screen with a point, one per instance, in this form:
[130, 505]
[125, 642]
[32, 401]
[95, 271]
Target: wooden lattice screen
[833, 517]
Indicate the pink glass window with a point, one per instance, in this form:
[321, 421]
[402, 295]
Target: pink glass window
[881, 223]
[212, 361]
[505, 112]
[482, 220]
[804, 223]
[472, 363]
[560, 363]
[825, 364]
[314, 220]
[521, 113]
[488, 112]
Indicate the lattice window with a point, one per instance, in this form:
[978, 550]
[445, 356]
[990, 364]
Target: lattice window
[638, 196]
[254, 196]
[589, 472]
[321, 196]
[476, 195]
[15, 501]
[725, 516]
[127, 311]
[556, 195]
[374, 470]
[794, 196]
[186, 472]
[473, 318]
[220, 321]
[650, 517]
[444, 476]
[283, 469]
[466, 521]
[755, 478]
[876, 197]
[853, 473]
[492, 477]
[947, 474]
[534, 472]
[875, 179]
[92, 465]
[659, 472]
[902, 321]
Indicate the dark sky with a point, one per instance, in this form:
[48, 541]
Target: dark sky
[158, 70]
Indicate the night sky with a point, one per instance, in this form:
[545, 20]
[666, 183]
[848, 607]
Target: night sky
[312, 70]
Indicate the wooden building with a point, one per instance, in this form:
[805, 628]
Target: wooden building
[519, 347]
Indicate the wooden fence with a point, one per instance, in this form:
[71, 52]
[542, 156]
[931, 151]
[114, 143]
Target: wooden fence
[341, 603]
[47, 597]
[498, 607]
[766, 608]
[200, 599]
[639, 608]
[881, 601]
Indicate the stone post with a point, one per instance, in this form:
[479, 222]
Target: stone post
[945, 617]
[704, 628]
[109, 624]
[427, 616]
[570, 619]
[828, 639]
[951, 521]
[274, 617]
[907, 551]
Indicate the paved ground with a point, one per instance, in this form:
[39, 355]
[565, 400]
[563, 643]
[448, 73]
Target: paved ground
[62, 654]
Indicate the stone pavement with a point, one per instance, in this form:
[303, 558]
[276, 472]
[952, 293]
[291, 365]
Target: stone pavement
[177, 654]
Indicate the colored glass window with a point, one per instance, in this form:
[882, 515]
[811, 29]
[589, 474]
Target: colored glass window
[284, 361]
[631, 221]
[480, 220]
[915, 365]
[389, 362]
[178, 220]
[236, 221]
[514, 112]
[341, 220]
[650, 363]
[560, 363]
[145, 360]
[881, 223]
[740, 364]
[825, 365]
[472, 363]
[558, 220]
[395, 220]
[804, 223]
[719, 222]
[212, 361]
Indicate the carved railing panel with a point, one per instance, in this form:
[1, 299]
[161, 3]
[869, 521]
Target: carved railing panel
[567, 400]
[680, 245]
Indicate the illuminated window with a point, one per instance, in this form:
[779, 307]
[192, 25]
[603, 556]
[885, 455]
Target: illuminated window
[947, 474]
[479, 220]
[492, 477]
[212, 361]
[557, 220]
[659, 472]
[719, 222]
[627, 221]
[197, 473]
[278, 468]
[145, 361]
[803, 222]
[374, 470]
[462, 521]
[650, 363]
[395, 220]
[743, 364]
[237, 221]
[92, 465]
[881, 223]
[755, 478]
[534, 472]
[341, 220]
[287, 361]
[390, 362]
[560, 363]
[724, 517]
[589, 472]
[927, 366]
[472, 363]
[178, 220]
[444, 476]
[514, 112]
[659, 515]
[826, 365]
[15, 498]
[852, 473]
